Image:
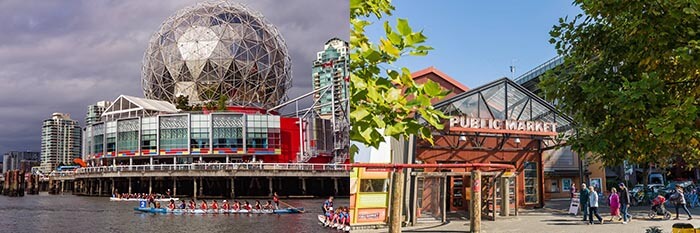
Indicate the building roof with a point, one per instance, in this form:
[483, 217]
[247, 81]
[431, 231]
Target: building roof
[505, 99]
[131, 106]
[149, 104]
[440, 74]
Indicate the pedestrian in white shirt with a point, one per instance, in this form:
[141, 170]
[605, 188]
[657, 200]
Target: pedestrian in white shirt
[593, 205]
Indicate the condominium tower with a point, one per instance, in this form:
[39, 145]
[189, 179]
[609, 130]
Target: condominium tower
[330, 70]
[60, 141]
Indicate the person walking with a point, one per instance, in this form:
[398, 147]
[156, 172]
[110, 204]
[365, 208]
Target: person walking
[593, 206]
[680, 201]
[614, 201]
[583, 201]
[624, 203]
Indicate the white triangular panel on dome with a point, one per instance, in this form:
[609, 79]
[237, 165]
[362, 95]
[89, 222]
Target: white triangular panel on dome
[195, 67]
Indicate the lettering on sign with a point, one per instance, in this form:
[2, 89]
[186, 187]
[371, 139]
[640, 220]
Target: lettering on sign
[465, 123]
[374, 215]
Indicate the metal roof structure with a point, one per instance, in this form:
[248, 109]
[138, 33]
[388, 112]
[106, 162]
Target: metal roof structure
[129, 106]
[506, 100]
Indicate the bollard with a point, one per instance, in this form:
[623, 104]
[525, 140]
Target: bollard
[475, 224]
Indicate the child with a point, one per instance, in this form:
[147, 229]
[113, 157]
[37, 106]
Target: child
[329, 216]
[657, 202]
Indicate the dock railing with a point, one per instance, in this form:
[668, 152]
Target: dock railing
[210, 167]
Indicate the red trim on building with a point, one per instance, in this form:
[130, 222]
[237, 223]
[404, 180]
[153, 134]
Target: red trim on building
[419, 74]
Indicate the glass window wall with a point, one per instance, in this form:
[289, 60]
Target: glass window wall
[148, 134]
[227, 131]
[128, 135]
[173, 132]
[199, 136]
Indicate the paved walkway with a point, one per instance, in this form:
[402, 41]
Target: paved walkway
[553, 218]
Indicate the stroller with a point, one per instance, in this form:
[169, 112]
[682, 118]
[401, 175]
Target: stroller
[657, 208]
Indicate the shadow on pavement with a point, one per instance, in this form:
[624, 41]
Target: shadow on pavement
[432, 229]
[561, 221]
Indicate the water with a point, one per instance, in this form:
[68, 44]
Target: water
[68, 213]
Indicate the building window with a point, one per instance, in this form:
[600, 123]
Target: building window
[98, 139]
[128, 135]
[374, 185]
[173, 132]
[530, 176]
[554, 186]
[597, 184]
[566, 185]
[148, 134]
[199, 135]
[227, 131]
[111, 141]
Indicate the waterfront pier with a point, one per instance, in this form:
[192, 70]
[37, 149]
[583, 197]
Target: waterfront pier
[207, 180]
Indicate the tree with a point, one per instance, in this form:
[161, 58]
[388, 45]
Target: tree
[182, 102]
[386, 100]
[221, 103]
[630, 80]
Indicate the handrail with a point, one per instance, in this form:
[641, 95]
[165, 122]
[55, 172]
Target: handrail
[397, 167]
[538, 70]
[207, 167]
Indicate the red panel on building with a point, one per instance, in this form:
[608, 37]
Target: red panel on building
[290, 141]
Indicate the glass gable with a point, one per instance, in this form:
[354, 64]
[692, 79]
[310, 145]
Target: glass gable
[505, 100]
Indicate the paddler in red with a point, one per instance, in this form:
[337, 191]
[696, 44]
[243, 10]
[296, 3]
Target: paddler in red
[214, 205]
[204, 205]
[236, 206]
[247, 206]
[226, 206]
[257, 205]
[171, 206]
[276, 200]
[192, 205]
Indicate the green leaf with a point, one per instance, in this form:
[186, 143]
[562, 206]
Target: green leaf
[402, 26]
[432, 88]
[359, 114]
[390, 48]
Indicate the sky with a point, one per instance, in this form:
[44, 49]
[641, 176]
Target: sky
[477, 41]
[61, 56]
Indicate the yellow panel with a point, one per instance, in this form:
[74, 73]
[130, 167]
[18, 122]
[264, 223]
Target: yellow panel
[354, 185]
[353, 218]
[372, 200]
[354, 173]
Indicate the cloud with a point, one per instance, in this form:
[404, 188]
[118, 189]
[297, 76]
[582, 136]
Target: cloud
[60, 56]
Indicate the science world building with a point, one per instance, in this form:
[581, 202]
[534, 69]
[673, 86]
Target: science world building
[214, 54]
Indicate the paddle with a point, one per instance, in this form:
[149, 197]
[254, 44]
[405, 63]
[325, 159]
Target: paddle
[290, 206]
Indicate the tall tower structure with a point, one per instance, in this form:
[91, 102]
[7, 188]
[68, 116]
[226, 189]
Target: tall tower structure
[331, 70]
[95, 111]
[330, 81]
[60, 141]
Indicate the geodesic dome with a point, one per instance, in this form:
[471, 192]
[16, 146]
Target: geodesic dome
[214, 49]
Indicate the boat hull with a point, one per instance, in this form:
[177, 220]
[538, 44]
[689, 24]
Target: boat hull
[137, 199]
[181, 211]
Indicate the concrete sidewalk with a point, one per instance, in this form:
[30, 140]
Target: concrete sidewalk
[554, 218]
